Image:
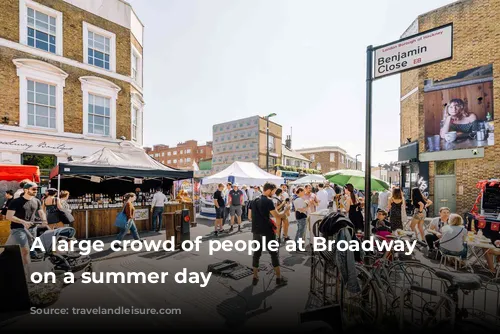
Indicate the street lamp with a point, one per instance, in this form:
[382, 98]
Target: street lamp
[357, 161]
[267, 134]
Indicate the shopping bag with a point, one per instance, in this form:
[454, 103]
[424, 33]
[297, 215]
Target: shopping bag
[121, 220]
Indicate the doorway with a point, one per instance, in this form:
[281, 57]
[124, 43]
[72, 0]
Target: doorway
[445, 186]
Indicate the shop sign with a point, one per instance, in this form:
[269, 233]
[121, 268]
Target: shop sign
[27, 146]
[137, 181]
[141, 214]
[415, 51]
[95, 179]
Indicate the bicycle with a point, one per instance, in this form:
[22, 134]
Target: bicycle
[445, 313]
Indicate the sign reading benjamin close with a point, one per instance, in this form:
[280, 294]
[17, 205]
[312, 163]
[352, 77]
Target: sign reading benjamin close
[414, 51]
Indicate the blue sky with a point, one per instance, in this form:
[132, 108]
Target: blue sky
[211, 61]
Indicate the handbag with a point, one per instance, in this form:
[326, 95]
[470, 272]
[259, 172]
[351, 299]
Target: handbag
[121, 220]
[66, 217]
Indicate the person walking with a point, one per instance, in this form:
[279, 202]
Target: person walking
[225, 195]
[264, 230]
[219, 209]
[353, 207]
[235, 197]
[22, 213]
[383, 199]
[395, 205]
[51, 204]
[282, 206]
[129, 210]
[157, 207]
[420, 203]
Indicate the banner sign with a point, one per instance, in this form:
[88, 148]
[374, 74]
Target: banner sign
[141, 214]
[411, 52]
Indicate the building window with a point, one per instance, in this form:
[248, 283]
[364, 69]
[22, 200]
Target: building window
[201, 151]
[99, 115]
[188, 151]
[175, 153]
[99, 106]
[446, 167]
[41, 105]
[136, 71]
[40, 27]
[180, 160]
[169, 161]
[99, 47]
[135, 114]
[311, 157]
[175, 161]
[188, 159]
[156, 155]
[40, 94]
[332, 157]
[181, 152]
[341, 158]
[318, 166]
[169, 153]
[271, 145]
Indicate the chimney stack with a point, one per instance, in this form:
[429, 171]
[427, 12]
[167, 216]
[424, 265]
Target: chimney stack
[288, 142]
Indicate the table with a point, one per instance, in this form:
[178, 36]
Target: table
[478, 248]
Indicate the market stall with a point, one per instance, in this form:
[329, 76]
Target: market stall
[243, 173]
[10, 176]
[98, 182]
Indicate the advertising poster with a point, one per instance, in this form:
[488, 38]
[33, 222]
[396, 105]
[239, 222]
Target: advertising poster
[185, 185]
[459, 112]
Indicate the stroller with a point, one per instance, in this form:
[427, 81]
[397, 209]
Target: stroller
[69, 261]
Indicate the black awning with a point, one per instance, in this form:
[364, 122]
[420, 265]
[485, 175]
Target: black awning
[408, 152]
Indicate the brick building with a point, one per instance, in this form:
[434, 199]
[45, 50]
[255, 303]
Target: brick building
[181, 156]
[449, 171]
[71, 78]
[329, 158]
[245, 140]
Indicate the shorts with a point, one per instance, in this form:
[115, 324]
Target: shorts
[419, 216]
[219, 213]
[19, 237]
[235, 210]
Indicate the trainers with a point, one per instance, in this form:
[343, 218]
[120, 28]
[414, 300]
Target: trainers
[231, 229]
[255, 280]
[216, 233]
[281, 281]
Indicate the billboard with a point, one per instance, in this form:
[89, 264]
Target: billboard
[414, 51]
[458, 111]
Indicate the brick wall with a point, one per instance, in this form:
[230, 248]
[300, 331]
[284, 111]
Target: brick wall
[476, 27]
[73, 18]
[73, 109]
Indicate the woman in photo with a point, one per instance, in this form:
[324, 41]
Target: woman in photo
[457, 118]
[51, 204]
[129, 210]
[420, 203]
[395, 206]
[453, 237]
[353, 207]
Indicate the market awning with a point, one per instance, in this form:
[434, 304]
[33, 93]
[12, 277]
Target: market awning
[127, 160]
[243, 173]
[19, 173]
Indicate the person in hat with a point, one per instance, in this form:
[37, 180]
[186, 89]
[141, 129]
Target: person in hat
[236, 200]
[22, 213]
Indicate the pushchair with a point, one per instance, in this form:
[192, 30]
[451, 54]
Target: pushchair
[69, 261]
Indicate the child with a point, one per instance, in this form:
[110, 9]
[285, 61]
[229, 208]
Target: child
[381, 225]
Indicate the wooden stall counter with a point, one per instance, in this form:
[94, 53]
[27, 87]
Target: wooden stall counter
[4, 231]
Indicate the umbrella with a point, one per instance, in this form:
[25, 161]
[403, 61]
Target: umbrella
[312, 178]
[356, 178]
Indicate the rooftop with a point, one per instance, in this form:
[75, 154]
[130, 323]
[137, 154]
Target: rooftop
[293, 154]
[321, 149]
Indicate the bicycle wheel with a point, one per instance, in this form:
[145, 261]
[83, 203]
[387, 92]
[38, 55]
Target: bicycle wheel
[363, 308]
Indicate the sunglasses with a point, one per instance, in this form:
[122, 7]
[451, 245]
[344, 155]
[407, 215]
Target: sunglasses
[34, 189]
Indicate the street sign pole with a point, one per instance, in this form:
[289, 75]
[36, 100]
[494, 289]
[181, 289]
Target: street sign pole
[368, 138]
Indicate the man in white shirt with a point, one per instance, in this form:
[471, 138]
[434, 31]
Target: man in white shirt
[322, 196]
[285, 193]
[157, 207]
[383, 199]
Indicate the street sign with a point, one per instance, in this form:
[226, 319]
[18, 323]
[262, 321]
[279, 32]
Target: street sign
[414, 51]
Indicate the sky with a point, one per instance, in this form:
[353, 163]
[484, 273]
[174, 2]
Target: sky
[213, 61]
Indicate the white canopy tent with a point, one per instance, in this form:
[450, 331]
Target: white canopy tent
[243, 173]
[311, 178]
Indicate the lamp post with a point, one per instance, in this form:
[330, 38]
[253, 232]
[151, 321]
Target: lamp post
[267, 134]
[357, 160]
